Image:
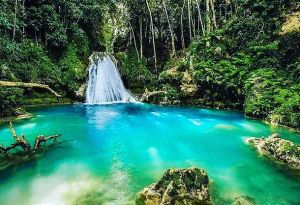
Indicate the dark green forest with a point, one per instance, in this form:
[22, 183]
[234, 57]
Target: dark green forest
[235, 54]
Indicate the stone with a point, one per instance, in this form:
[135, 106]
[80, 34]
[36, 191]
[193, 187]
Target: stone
[243, 200]
[177, 187]
[80, 93]
[283, 151]
[166, 96]
[189, 89]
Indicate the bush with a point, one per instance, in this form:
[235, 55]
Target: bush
[32, 64]
[72, 68]
[10, 98]
[134, 71]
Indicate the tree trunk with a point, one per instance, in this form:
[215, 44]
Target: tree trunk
[207, 14]
[153, 36]
[214, 21]
[134, 41]
[193, 21]
[208, 21]
[181, 25]
[28, 85]
[13, 132]
[189, 16]
[225, 12]
[200, 18]
[23, 11]
[15, 19]
[171, 30]
[141, 36]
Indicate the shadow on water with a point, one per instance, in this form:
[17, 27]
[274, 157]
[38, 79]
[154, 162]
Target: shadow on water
[19, 161]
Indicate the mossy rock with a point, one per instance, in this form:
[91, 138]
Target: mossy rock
[177, 186]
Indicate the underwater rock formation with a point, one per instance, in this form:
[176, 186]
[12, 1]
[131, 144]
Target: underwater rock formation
[281, 150]
[243, 200]
[177, 186]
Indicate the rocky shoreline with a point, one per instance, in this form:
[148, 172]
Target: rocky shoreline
[281, 150]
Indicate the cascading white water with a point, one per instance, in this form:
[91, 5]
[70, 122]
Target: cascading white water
[105, 84]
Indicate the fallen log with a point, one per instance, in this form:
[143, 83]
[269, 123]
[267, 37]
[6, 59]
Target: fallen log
[19, 141]
[2, 150]
[28, 85]
[41, 138]
[23, 143]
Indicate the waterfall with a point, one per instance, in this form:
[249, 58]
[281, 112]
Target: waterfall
[105, 84]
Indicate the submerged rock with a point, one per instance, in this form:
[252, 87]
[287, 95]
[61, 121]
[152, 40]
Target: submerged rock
[282, 150]
[243, 200]
[177, 186]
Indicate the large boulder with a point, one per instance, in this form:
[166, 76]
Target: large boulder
[281, 150]
[177, 187]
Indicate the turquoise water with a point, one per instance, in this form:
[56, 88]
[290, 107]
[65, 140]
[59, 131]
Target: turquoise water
[110, 152]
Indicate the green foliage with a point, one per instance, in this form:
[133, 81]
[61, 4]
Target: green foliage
[73, 70]
[46, 42]
[107, 36]
[288, 113]
[247, 62]
[10, 98]
[81, 42]
[133, 70]
[170, 76]
[33, 64]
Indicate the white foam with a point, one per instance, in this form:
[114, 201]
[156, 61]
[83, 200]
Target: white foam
[195, 122]
[105, 84]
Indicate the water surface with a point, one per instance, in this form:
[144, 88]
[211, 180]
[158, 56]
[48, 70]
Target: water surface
[109, 152]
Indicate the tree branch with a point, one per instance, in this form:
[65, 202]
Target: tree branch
[28, 85]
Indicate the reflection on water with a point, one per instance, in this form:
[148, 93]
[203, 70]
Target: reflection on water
[110, 152]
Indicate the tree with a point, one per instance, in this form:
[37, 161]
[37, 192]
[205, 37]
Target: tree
[170, 29]
[153, 35]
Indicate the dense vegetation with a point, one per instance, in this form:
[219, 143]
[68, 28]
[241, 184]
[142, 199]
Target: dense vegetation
[46, 41]
[251, 63]
[241, 54]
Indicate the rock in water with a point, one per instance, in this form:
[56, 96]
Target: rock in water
[177, 187]
[243, 200]
[282, 150]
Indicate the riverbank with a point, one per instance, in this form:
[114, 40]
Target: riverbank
[23, 113]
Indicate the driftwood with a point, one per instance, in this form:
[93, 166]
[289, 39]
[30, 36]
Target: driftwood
[22, 142]
[28, 85]
[41, 139]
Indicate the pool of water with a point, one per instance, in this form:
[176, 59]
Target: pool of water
[110, 152]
